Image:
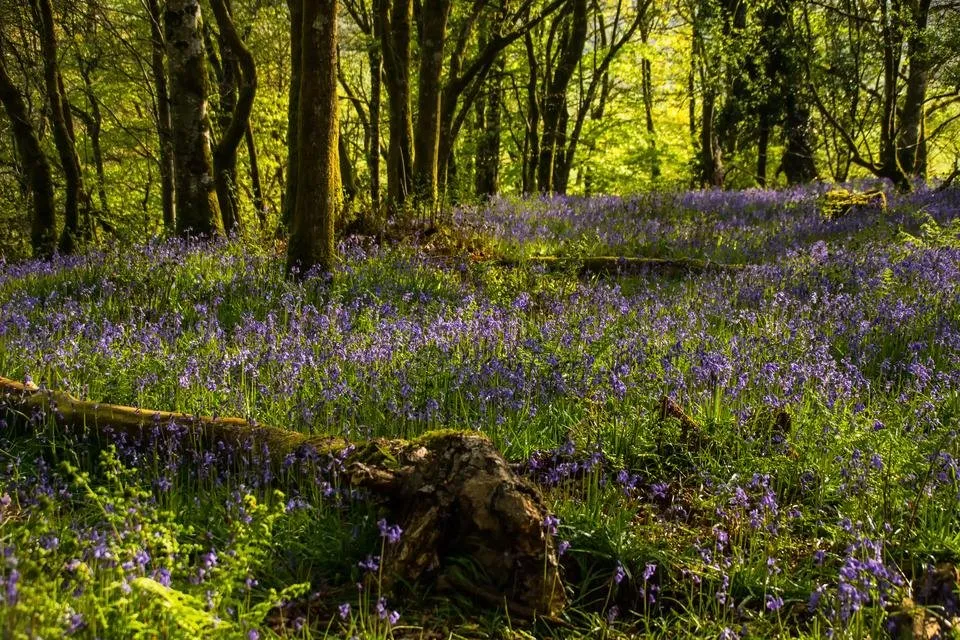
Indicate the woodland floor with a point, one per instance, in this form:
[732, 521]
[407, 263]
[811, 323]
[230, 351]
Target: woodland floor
[801, 478]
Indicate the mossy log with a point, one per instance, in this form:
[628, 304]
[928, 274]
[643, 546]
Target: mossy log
[839, 202]
[453, 494]
[622, 265]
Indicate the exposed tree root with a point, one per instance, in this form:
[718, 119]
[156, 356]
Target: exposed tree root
[452, 493]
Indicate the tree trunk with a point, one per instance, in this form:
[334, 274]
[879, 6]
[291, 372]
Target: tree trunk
[319, 196]
[394, 28]
[237, 61]
[892, 40]
[434, 16]
[259, 204]
[452, 493]
[711, 158]
[912, 142]
[489, 122]
[198, 211]
[293, 112]
[786, 102]
[561, 170]
[347, 174]
[375, 61]
[646, 74]
[798, 163]
[532, 139]
[63, 139]
[555, 102]
[763, 146]
[164, 125]
[93, 122]
[35, 165]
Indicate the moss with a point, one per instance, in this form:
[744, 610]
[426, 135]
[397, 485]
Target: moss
[838, 202]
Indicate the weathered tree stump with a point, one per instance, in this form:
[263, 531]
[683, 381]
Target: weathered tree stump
[453, 494]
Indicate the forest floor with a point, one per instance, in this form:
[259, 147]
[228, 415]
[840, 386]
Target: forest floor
[820, 496]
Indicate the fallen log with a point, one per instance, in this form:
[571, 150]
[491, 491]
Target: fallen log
[452, 493]
[837, 203]
[622, 265]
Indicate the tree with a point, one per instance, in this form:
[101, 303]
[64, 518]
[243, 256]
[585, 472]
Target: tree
[237, 63]
[318, 196]
[392, 19]
[573, 38]
[162, 114]
[62, 124]
[34, 162]
[198, 211]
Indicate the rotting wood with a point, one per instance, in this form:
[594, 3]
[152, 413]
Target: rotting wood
[453, 494]
[615, 265]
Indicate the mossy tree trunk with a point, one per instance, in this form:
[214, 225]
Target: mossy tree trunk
[34, 162]
[198, 210]
[318, 197]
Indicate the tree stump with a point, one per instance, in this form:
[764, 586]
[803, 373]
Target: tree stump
[452, 492]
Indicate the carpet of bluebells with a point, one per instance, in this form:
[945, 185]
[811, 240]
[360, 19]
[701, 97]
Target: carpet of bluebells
[820, 498]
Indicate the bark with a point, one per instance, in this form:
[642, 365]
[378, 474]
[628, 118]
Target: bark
[433, 20]
[198, 211]
[912, 142]
[75, 196]
[259, 204]
[164, 124]
[237, 61]
[319, 197]
[891, 38]
[452, 493]
[35, 165]
[347, 175]
[393, 18]
[555, 102]
[710, 154]
[798, 162]
[293, 111]
[732, 111]
[487, 182]
[763, 146]
[786, 102]
[646, 75]
[375, 61]
[532, 139]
